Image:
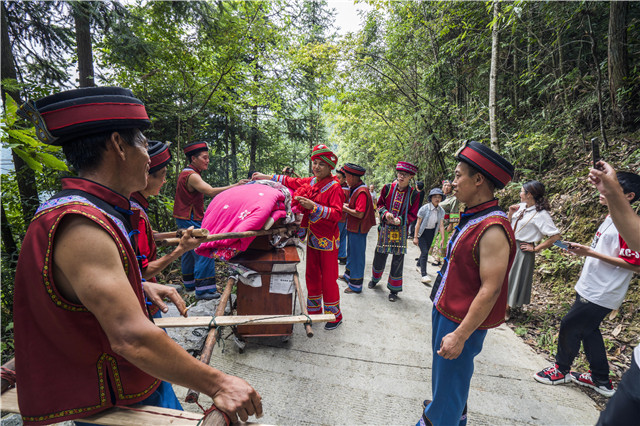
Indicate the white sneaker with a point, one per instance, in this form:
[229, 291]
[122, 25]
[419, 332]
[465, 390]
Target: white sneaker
[425, 280]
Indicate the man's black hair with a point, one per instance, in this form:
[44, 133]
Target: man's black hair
[340, 172]
[473, 171]
[630, 182]
[85, 153]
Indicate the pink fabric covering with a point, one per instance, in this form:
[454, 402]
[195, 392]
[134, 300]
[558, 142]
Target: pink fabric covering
[238, 209]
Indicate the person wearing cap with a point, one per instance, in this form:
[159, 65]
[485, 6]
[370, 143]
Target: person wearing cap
[78, 291]
[321, 197]
[398, 206]
[451, 207]
[421, 194]
[342, 225]
[429, 221]
[150, 265]
[470, 293]
[360, 219]
[198, 272]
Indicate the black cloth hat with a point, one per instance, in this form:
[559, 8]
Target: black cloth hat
[159, 154]
[354, 169]
[491, 164]
[68, 115]
[194, 148]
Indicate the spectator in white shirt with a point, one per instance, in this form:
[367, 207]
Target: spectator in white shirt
[531, 222]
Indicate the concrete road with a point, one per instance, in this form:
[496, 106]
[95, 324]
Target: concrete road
[376, 367]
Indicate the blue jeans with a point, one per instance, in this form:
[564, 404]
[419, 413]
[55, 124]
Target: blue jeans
[198, 272]
[451, 378]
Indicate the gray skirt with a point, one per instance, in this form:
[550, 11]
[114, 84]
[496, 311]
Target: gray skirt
[521, 277]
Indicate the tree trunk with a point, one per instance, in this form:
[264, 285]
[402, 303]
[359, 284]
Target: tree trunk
[81, 14]
[234, 153]
[25, 177]
[493, 76]
[227, 164]
[596, 65]
[618, 60]
[8, 243]
[254, 137]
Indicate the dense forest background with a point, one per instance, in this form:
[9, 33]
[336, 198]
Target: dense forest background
[264, 81]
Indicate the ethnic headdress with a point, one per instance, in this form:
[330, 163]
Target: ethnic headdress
[71, 114]
[492, 165]
[325, 154]
[407, 167]
[159, 154]
[354, 169]
[195, 148]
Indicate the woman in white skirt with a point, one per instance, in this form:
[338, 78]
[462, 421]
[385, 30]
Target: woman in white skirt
[531, 222]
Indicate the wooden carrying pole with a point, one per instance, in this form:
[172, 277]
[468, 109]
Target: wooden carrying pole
[230, 235]
[226, 321]
[212, 336]
[303, 305]
[178, 234]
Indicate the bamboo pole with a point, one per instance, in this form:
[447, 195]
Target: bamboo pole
[212, 336]
[230, 235]
[198, 233]
[226, 321]
[303, 306]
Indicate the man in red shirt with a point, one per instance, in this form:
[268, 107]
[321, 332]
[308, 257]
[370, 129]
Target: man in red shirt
[360, 219]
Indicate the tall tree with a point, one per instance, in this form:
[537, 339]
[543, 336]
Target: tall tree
[618, 61]
[493, 76]
[82, 15]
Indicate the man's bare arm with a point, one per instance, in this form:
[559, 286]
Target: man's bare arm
[100, 284]
[494, 261]
[187, 242]
[196, 183]
[626, 220]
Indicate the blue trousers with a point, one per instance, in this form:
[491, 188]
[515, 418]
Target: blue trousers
[342, 248]
[451, 378]
[198, 272]
[357, 250]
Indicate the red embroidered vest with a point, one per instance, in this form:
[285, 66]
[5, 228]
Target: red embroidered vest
[459, 280]
[65, 364]
[345, 189]
[147, 249]
[364, 224]
[187, 202]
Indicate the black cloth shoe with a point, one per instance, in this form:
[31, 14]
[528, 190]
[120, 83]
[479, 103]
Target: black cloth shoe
[372, 284]
[393, 297]
[332, 325]
[342, 260]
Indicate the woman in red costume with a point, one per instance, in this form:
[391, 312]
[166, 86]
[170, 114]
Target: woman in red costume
[321, 197]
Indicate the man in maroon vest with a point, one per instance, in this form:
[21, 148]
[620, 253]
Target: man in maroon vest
[78, 292]
[198, 272]
[360, 219]
[470, 293]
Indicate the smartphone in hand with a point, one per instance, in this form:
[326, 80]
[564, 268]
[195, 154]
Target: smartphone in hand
[561, 244]
[595, 153]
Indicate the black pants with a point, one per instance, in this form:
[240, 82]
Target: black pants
[582, 324]
[624, 406]
[424, 242]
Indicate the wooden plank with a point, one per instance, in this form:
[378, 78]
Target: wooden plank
[142, 415]
[226, 321]
[231, 235]
[121, 416]
[178, 234]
